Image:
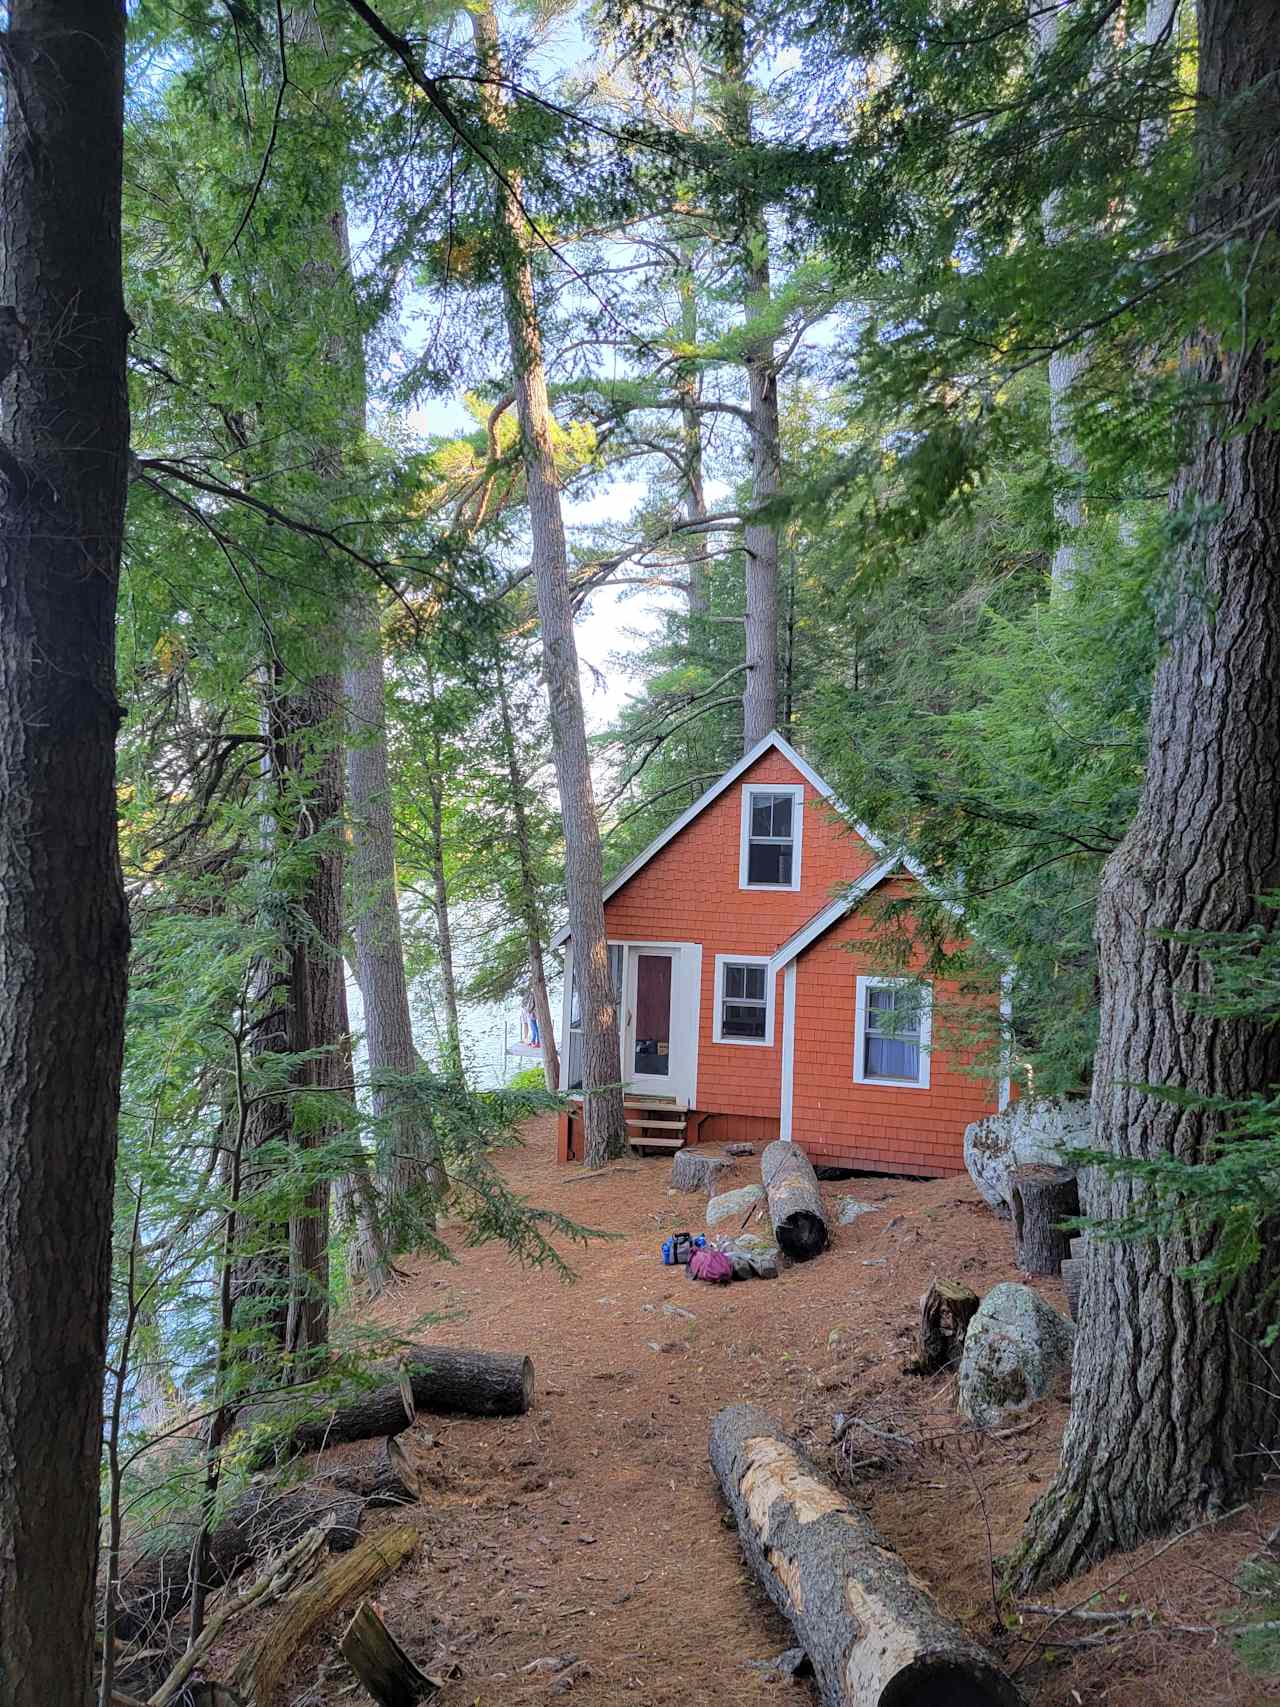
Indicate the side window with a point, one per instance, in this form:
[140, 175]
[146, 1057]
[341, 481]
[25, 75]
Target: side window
[891, 1035]
[771, 822]
[744, 1011]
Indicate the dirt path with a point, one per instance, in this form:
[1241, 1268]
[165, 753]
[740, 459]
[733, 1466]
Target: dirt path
[592, 1528]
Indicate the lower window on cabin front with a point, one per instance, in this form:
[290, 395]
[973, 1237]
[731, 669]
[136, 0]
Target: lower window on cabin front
[891, 1034]
[742, 1001]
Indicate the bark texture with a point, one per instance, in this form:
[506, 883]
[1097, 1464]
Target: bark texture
[381, 1664]
[874, 1634]
[795, 1200]
[64, 435]
[266, 1521]
[442, 1378]
[1171, 1398]
[261, 1669]
[584, 880]
[759, 537]
[530, 913]
[1042, 1198]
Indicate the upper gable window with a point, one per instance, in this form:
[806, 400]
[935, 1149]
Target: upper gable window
[771, 827]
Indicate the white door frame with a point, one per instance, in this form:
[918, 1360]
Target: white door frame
[653, 1084]
[686, 1003]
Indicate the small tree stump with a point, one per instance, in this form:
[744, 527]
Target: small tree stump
[1042, 1197]
[380, 1663]
[945, 1312]
[696, 1169]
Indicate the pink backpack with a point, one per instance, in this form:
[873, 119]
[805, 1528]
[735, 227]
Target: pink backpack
[710, 1265]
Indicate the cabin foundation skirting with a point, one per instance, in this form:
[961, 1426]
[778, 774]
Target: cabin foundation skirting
[709, 1127]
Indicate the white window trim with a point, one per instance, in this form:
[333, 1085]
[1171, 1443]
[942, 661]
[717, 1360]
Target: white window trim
[870, 982]
[796, 791]
[723, 960]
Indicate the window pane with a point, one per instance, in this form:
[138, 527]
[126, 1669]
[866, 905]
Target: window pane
[781, 815]
[735, 980]
[753, 982]
[879, 997]
[762, 814]
[769, 862]
[741, 1020]
[890, 1058]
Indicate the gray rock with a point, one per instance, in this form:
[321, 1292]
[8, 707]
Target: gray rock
[848, 1210]
[730, 1204]
[1015, 1348]
[751, 1256]
[739, 1149]
[1030, 1130]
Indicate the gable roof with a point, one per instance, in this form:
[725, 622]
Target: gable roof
[832, 913]
[772, 742]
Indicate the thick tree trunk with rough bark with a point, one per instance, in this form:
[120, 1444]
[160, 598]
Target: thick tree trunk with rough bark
[311, 720]
[64, 940]
[1172, 1400]
[375, 911]
[529, 912]
[584, 876]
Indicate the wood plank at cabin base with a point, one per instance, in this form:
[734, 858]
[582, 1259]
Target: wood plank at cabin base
[872, 1630]
[795, 1200]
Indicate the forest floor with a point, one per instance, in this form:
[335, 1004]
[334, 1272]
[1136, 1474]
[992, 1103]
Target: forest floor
[590, 1531]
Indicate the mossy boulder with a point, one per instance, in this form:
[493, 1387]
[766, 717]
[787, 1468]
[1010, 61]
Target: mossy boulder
[1030, 1131]
[1014, 1351]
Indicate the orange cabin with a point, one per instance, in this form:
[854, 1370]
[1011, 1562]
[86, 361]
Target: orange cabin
[751, 999]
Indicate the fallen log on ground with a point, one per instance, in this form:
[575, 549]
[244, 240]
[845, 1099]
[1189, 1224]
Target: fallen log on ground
[795, 1200]
[394, 1478]
[381, 1664]
[1041, 1198]
[265, 1520]
[945, 1312]
[261, 1667]
[280, 1575]
[874, 1633]
[440, 1378]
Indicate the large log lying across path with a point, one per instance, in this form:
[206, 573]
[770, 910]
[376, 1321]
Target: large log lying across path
[440, 1377]
[795, 1200]
[874, 1634]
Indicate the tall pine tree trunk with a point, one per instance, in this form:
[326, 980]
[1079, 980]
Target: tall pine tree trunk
[529, 911]
[1172, 1402]
[440, 897]
[584, 881]
[64, 437]
[759, 537]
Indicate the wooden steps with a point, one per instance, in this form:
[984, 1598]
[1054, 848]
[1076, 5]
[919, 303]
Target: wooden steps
[650, 1125]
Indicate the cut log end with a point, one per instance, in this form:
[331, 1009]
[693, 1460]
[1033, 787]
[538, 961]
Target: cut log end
[941, 1682]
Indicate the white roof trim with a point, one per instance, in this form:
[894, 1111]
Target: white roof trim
[771, 741]
[822, 922]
